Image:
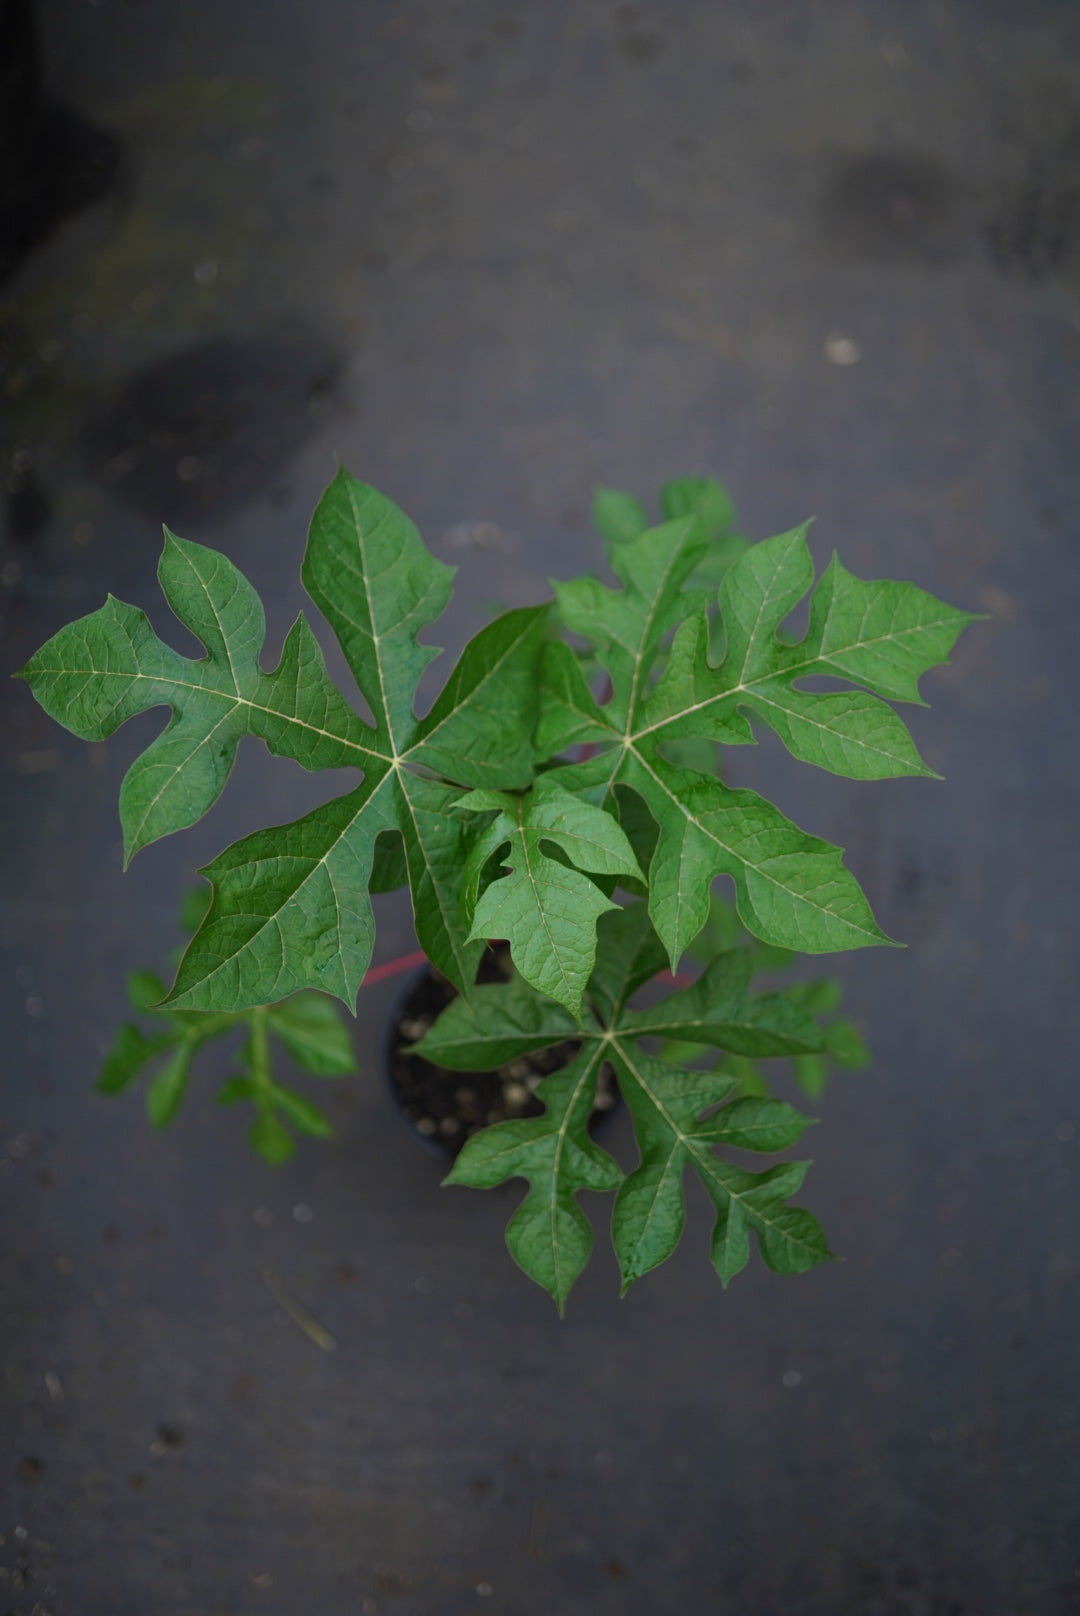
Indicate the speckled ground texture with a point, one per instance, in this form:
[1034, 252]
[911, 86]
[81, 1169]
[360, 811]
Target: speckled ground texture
[491, 255]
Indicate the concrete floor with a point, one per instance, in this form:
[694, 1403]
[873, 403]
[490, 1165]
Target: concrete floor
[489, 256]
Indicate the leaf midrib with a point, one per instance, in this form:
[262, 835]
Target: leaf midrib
[235, 700]
[793, 670]
[697, 1150]
[371, 612]
[560, 1142]
[759, 870]
[273, 919]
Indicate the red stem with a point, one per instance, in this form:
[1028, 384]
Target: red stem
[406, 962]
[394, 967]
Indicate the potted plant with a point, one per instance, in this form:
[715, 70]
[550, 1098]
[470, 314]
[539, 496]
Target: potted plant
[565, 800]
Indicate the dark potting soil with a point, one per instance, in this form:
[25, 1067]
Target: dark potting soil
[447, 1108]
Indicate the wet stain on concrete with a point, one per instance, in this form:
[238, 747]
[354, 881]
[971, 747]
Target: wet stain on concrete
[898, 205]
[1034, 226]
[208, 428]
[638, 42]
[1036, 230]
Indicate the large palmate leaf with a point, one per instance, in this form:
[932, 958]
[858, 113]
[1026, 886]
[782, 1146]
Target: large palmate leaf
[792, 890]
[680, 1116]
[291, 904]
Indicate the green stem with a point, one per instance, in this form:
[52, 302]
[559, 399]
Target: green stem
[260, 1057]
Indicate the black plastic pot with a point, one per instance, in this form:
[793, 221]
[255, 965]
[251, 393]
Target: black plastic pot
[442, 1109]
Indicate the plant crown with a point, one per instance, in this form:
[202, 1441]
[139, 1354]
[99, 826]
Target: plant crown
[543, 781]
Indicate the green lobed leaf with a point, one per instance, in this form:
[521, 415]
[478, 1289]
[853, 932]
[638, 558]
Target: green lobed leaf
[630, 623]
[881, 635]
[291, 909]
[290, 906]
[549, 1236]
[791, 1239]
[717, 1009]
[679, 1116]
[369, 573]
[103, 669]
[792, 890]
[664, 1103]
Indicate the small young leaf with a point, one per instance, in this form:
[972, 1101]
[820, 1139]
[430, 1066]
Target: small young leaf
[144, 990]
[235, 1089]
[818, 996]
[129, 1054]
[767, 957]
[846, 1045]
[269, 1139]
[311, 1028]
[193, 907]
[616, 516]
[810, 1074]
[747, 1074]
[704, 495]
[546, 909]
[301, 1113]
[166, 1089]
[723, 553]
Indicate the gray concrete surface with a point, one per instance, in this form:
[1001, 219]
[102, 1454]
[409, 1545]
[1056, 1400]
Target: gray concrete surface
[491, 255]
